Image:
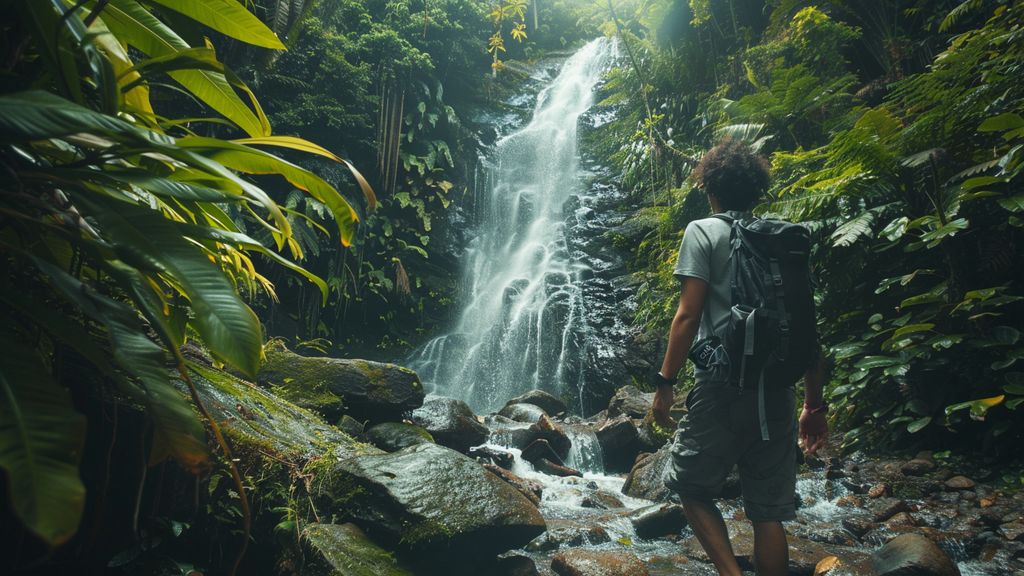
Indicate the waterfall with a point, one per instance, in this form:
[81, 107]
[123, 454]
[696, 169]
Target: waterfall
[523, 326]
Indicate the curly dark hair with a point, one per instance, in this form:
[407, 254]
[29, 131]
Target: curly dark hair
[733, 173]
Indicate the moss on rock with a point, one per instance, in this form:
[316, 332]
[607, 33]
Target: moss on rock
[333, 387]
[344, 550]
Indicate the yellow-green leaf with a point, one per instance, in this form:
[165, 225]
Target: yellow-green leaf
[227, 17]
[303, 145]
[134, 25]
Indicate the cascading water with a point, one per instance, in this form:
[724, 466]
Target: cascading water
[523, 326]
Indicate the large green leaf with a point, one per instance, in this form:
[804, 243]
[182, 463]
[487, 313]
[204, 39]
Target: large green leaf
[303, 145]
[177, 430]
[134, 25]
[252, 161]
[227, 17]
[38, 115]
[249, 243]
[227, 325]
[41, 440]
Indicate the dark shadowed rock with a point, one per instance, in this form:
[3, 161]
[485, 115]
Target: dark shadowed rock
[917, 467]
[884, 508]
[618, 438]
[352, 427]
[487, 454]
[544, 429]
[913, 555]
[550, 404]
[522, 412]
[538, 449]
[515, 565]
[658, 520]
[434, 502]
[343, 549]
[451, 422]
[332, 386]
[548, 467]
[630, 401]
[595, 563]
[647, 478]
[393, 436]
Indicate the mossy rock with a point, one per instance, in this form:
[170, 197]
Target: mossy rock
[393, 436]
[433, 502]
[333, 387]
[260, 423]
[344, 550]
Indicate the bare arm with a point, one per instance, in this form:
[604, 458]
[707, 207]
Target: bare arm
[813, 424]
[692, 295]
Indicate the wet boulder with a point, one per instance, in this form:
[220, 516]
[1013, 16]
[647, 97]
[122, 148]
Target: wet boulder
[647, 478]
[332, 387]
[619, 442]
[451, 423]
[658, 520]
[521, 437]
[567, 534]
[539, 449]
[343, 549]
[532, 490]
[548, 467]
[582, 562]
[601, 500]
[393, 436]
[630, 401]
[493, 456]
[432, 501]
[546, 402]
[522, 412]
[257, 422]
[913, 554]
[352, 427]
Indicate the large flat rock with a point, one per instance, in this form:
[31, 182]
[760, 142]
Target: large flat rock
[434, 501]
[333, 387]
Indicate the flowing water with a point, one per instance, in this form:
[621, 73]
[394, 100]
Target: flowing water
[523, 326]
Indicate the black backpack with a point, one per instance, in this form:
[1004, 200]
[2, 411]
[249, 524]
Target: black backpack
[771, 336]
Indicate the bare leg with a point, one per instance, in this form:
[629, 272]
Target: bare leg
[771, 550]
[706, 522]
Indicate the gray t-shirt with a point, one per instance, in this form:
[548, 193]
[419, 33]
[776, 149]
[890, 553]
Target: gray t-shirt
[704, 254]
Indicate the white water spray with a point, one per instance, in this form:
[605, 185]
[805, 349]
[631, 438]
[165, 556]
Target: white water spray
[523, 326]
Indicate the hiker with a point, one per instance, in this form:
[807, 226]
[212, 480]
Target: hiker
[748, 356]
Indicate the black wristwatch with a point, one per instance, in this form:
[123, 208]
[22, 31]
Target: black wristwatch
[658, 380]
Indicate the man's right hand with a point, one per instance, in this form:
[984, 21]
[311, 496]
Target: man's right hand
[813, 431]
[660, 408]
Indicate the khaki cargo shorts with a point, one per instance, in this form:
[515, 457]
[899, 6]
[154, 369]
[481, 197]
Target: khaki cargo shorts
[721, 430]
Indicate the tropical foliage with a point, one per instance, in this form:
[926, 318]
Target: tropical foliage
[894, 131]
[123, 229]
